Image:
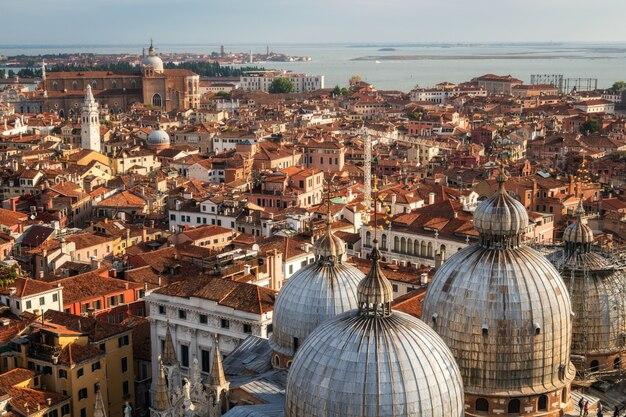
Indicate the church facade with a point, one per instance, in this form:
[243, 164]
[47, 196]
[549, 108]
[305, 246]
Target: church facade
[165, 89]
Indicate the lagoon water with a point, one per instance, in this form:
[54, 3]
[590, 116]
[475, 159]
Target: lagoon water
[436, 62]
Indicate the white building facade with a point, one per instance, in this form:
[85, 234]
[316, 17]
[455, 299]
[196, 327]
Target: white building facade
[262, 80]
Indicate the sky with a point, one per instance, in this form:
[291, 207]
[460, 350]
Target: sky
[107, 22]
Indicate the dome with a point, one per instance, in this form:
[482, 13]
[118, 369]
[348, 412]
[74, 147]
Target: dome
[158, 138]
[503, 309]
[152, 60]
[316, 293]
[500, 216]
[373, 362]
[578, 232]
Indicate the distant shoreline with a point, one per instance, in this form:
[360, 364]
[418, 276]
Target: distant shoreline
[470, 57]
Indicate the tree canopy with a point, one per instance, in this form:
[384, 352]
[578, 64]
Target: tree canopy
[619, 85]
[590, 126]
[8, 275]
[355, 79]
[281, 85]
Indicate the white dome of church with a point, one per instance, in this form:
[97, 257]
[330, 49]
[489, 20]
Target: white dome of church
[505, 313]
[152, 60]
[373, 362]
[316, 293]
[158, 138]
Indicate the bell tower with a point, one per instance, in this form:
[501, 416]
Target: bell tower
[90, 123]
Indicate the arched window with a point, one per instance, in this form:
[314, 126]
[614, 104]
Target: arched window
[368, 239]
[442, 251]
[55, 85]
[61, 113]
[416, 247]
[409, 246]
[542, 403]
[482, 405]
[594, 366]
[617, 362]
[514, 406]
[156, 100]
[114, 84]
[396, 244]
[430, 249]
[564, 395]
[423, 249]
[403, 245]
[94, 85]
[74, 85]
[383, 243]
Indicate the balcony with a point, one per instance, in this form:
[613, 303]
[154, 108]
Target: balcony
[43, 351]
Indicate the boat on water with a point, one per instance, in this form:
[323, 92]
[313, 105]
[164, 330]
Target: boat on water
[377, 62]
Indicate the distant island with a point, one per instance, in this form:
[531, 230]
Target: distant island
[387, 49]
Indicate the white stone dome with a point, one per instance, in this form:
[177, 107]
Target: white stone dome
[373, 362]
[318, 292]
[158, 138]
[152, 60]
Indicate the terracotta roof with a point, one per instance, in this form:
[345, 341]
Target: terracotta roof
[237, 295]
[123, 199]
[92, 285]
[26, 287]
[74, 353]
[410, 303]
[96, 329]
[23, 398]
[141, 337]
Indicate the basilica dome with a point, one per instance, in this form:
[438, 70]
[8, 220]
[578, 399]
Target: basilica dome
[504, 311]
[597, 287]
[158, 139]
[152, 60]
[374, 362]
[316, 293]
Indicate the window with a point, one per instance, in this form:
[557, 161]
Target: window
[65, 410]
[121, 298]
[82, 393]
[161, 309]
[182, 314]
[482, 405]
[394, 287]
[225, 324]
[123, 341]
[97, 305]
[55, 297]
[29, 305]
[125, 389]
[205, 357]
[95, 366]
[247, 328]
[514, 406]
[184, 356]
[83, 412]
[62, 373]
[124, 364]
[542, 404]
[103, 347]
[80, 372]
[203, 319]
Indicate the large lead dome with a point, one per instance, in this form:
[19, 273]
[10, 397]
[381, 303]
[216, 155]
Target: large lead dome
[373, 362]
[316, 293]
[505, 313]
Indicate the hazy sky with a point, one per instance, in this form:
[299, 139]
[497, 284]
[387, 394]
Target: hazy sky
[311, 21]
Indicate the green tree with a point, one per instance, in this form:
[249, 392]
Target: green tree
[8, 275]
[590, 126]
[619, 85]
[355, 79]
[416, 115]
[223, 94]
[281, 85]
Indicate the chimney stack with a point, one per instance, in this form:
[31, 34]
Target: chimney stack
[431, 198]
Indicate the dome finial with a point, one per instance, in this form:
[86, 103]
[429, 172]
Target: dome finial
[375, 292]
[329, 247]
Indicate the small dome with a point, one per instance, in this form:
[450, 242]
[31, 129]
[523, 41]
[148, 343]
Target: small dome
[373, 362]
[158, 138]
[501, 215]
[318, 292]
[578, 232]
[152, 60]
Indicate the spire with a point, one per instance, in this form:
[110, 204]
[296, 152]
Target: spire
[88, 94]
[151, 49]
[578, 236]
[329, 248]
[217, 377]
[375, 292]
[99, 410]
[161, 401]
[169, 352]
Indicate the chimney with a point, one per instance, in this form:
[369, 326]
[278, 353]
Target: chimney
[424, 278]
[106, 220]
[113, 273]
[394, 197]
[144, 235]
[36, 312]
[41, 275]
[126, 285]
[246, 269]
[431, 198]
[12, 291]
[95, 263]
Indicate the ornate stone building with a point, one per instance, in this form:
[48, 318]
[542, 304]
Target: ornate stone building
[505, 313]
[165, 89]
[90, 123]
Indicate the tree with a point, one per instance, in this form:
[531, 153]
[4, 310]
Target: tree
[8, 275]
[590, 126]
[619, 85]
[281, 85]
[355, 79]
